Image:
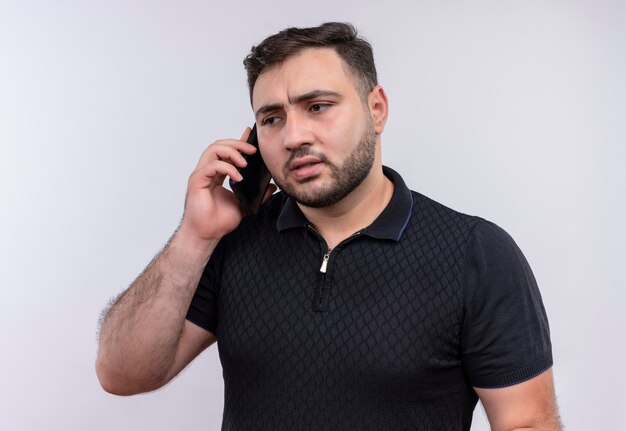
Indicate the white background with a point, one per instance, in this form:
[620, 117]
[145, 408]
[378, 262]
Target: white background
[513, 110]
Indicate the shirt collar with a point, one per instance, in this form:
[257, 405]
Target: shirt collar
[388, 225]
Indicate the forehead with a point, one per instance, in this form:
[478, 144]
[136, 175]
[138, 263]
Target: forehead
[311, 69]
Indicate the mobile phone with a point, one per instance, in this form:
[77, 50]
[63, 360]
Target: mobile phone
[256, 177]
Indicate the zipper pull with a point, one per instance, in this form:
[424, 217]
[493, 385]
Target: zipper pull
[325, 262]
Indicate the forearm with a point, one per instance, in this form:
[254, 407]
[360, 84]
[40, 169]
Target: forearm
[141, 330]
[142, 344]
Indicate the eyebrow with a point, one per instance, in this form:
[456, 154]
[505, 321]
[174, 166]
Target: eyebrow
[298, 99]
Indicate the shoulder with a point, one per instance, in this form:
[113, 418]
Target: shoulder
[430, 210]
[435, 222]
[489, 234]
[483, 235]
[491, 251]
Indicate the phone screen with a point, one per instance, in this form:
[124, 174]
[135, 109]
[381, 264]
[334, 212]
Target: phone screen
[256, 178]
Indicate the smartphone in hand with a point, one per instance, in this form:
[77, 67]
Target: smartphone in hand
[256, 178]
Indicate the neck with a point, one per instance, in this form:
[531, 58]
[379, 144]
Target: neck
[354, 212]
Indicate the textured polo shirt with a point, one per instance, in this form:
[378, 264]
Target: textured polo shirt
[388, 331]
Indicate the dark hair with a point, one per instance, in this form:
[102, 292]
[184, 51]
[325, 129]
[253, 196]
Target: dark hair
[356, 52]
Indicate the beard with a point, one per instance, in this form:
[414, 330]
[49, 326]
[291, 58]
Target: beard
[345, 178]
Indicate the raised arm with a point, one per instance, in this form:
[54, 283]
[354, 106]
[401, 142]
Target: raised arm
[144, 338]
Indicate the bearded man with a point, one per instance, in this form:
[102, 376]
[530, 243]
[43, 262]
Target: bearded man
[348, 302]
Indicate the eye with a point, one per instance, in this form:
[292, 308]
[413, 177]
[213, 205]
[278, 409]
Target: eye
[268, 121]
[318, 107]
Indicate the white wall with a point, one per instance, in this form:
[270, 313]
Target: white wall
[514, 111]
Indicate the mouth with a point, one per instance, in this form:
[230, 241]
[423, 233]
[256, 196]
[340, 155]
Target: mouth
[305, 161]
[306, 167]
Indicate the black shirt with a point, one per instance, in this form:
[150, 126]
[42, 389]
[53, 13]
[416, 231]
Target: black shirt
[410, 313]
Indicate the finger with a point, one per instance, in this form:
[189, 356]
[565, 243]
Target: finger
[228, 149]
[246, 134]
[242, 146]
[213, 174]
[226, 153]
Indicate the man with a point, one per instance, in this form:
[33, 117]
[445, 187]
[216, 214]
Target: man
[348, 301]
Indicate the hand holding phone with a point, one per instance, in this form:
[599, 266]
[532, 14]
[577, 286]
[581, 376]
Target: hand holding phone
[256, 178]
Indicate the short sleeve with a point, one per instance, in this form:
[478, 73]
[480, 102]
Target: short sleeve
[203, 308]
[505, 335]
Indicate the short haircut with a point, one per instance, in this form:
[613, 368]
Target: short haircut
[355, 52]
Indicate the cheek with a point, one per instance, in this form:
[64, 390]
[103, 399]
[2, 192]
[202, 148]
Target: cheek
[344, 133]
[269, 145]
[271, 158]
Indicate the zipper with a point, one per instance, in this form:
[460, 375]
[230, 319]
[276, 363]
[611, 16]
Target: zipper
[325, 262]
[321, 294]
[326, 257]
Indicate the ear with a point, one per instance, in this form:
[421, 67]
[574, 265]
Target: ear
[379, 108]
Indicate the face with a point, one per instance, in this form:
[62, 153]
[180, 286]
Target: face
[316, 134]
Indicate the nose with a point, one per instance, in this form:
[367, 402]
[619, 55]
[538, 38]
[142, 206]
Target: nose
[297, 132]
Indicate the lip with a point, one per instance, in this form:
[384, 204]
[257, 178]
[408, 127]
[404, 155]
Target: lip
[303, 161]
[305, 167]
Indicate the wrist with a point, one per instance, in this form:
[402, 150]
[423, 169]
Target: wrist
[190, 243]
